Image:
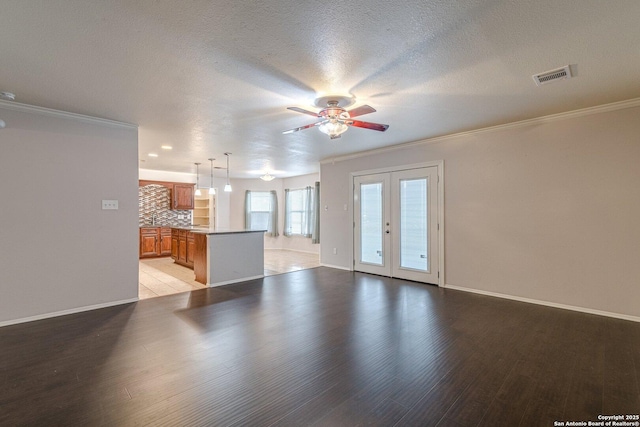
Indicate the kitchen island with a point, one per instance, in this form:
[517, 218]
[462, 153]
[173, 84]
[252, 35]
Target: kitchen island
[222, 257]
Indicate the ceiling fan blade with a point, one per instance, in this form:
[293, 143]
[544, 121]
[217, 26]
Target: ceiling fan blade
[303, 111]
[367, 125]
[360, 111]
[302, 128]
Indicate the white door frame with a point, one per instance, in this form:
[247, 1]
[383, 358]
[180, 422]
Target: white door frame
[441, 222]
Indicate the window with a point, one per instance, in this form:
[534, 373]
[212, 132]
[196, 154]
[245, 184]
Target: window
[295, 206]
[261, 211]
[301, 207]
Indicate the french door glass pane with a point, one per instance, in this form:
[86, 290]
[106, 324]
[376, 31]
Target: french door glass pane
[371, 223]
[413, 224]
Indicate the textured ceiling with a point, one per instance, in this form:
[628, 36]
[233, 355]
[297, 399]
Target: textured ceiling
[210, 76]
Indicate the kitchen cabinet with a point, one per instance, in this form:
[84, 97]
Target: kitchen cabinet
[165, 241]
[183, 247]
[182, 196]
[191, 248]
[148, 242]
[155, 242]
[174, 244]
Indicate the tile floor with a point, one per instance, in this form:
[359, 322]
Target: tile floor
[161, 276]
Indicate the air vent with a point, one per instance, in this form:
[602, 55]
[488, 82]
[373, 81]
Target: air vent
[552, 76]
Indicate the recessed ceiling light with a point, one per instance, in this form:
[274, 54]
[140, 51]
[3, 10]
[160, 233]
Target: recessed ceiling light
[153, 155]
[8, 96]
[166, 147]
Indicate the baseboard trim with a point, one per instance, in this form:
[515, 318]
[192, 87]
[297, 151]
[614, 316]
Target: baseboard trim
[335, 266]
[546, 303]
[66, 312]
[229, 282]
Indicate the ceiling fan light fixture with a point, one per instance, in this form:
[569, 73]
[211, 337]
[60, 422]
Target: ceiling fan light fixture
[336, 119]
[333, 128]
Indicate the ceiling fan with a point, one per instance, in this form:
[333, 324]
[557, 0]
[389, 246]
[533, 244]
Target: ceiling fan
[335, 119]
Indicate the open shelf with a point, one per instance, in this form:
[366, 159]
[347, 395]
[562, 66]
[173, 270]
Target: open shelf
[204, 209]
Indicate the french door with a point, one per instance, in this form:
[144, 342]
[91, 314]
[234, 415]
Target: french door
[396, 224]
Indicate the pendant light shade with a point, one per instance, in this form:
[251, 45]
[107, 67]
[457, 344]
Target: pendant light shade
[198, 192]
[227, 186]
[212, 190]
[267, 177]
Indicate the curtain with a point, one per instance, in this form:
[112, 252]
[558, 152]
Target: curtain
[287, 213]
[307, 216]
[315, 233]
[247, 210]
[273, 218]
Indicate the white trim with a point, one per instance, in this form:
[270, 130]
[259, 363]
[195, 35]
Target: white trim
[337, 267]
[614, 106]
[228, 282]
[441, 272]
[66, 312]
[439, 164]
[546, 303]
[16, 106]
[429, 164]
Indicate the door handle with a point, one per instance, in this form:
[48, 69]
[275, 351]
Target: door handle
[387, 232]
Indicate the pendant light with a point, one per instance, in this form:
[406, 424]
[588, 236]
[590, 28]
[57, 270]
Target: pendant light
[211, 189]
[198, 192]
[227, 186]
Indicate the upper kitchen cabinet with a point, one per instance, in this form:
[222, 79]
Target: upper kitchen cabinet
[182, 196]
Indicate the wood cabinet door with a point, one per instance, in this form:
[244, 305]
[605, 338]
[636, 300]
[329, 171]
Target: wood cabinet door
[174, 244]
[191, 249]
[182, 196]
[148, 245]
[182, 249]
[165, 242]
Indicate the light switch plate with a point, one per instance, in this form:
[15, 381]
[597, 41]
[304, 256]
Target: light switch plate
[109, 205]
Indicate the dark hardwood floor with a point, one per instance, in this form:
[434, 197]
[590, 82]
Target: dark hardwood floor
[319, 347]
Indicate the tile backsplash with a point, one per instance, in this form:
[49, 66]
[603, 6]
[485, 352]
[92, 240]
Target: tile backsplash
[156, 199]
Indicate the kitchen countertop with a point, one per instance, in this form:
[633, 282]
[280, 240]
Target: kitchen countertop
[208, 231]
[185, 227]
[203, 229]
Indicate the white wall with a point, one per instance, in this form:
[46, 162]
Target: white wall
[62, 252]
[236, 209]
[153, 175]
[546, 211]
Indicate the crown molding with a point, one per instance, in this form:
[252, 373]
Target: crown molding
[26, 108]
[614, 106]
